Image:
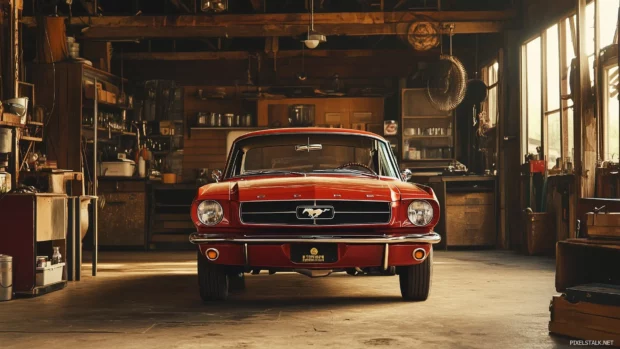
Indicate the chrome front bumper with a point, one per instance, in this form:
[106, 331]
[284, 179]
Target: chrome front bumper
[430, 238]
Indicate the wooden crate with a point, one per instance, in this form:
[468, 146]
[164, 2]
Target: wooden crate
[9, 118]
[471, 225]
[457, 199]
[603, 225]
[584, 320]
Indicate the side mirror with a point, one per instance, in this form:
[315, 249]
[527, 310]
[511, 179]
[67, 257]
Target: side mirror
[216, 175]
[406, 175]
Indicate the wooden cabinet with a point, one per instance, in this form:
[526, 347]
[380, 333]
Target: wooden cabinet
[467, 209]
[122, 218]
[471, 219]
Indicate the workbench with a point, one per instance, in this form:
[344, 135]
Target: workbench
[468, 209]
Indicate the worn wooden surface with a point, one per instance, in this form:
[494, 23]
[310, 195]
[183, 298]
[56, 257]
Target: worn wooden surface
[584, 320]
[583, 261]
[236, 25]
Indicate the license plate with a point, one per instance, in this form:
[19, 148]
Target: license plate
[314, 253]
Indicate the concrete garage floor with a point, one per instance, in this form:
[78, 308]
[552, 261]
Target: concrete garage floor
[479, 299]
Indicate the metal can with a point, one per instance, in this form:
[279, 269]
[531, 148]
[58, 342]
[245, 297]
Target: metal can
[6, 277]
[41, 262]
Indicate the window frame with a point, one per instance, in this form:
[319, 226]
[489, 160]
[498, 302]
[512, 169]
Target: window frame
[564, 80]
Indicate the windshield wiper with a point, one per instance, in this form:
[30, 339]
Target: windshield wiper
[261, 172]
[336, 170]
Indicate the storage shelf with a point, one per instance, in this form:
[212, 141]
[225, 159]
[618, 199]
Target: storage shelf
[422, 137]
[428, 117]
[114, 132]
[32, 139]
[10, 124]
[92, 73]
[34, 123]
[228, 128]
[90, 104]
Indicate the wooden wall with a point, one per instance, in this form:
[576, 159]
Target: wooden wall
[207, 148]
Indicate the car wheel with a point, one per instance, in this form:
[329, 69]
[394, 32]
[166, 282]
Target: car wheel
[415, 280]
[236, 282]
[212, 280]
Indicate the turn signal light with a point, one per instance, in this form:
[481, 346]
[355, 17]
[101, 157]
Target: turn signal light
[419, 254]
[212, 254]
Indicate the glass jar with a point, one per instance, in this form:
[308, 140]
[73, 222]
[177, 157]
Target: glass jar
[56, 257]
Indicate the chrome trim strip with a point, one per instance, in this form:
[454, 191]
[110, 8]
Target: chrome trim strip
[274, 212]
[430, 238]
[386, 255]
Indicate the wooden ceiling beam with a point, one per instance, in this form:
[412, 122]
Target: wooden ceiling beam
[260, 25]
[243, 55]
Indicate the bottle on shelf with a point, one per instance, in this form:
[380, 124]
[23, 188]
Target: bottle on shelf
[56, 257]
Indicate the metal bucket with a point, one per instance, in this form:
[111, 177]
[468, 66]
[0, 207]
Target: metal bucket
[6, 277]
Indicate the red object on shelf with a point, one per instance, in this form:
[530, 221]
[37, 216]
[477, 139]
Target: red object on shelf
[537, 166]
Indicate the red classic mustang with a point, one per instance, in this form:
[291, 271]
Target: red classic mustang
[314, 201]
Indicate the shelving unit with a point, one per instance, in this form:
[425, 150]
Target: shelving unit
[169, 223]
[423, 147]
[66, 136]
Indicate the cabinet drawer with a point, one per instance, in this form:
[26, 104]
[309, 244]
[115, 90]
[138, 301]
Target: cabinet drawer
[460, 199]
[110, 186]
[122, 219]
[471, 225]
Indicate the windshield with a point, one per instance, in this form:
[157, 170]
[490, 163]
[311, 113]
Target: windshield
[315, 153]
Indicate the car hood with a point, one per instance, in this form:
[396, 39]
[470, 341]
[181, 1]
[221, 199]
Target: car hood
[320, 188]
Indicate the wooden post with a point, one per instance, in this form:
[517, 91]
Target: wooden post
[585, 123]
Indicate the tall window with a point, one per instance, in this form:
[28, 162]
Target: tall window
[569, 33]
[547, 111]
[553, 150]
[490, 75]
[611, 130]
[531, 95]
[608, 34]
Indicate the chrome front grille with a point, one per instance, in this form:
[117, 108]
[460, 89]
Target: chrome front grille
[319, 212]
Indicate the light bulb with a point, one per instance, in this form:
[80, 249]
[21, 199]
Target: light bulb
[311, 43]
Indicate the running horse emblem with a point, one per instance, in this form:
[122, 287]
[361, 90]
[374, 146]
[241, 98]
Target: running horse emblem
[315, 212]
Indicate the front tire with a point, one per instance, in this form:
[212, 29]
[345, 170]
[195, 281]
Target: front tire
[415, 280]
[212, 280]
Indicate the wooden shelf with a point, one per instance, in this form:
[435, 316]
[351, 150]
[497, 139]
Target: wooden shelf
[31, 139]
[428, 117]
[90, 104]
[114, 132]
[422, 137]
[92, 73]
[10, 124]
[34, 123]
[228, 128]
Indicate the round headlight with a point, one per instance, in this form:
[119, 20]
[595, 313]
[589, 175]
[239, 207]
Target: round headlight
[420, 212]
[210, 212]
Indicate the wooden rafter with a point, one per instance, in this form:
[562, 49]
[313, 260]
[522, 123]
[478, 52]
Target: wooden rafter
[243, 55]
[260, 25]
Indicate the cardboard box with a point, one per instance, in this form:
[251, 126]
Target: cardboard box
[89, 90]
[166, 128]
[111, 97]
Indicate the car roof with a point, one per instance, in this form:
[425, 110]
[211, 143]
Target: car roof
[308, 130]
